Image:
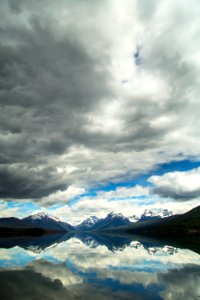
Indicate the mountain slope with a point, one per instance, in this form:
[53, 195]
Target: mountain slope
[47, 222]
[155, 215]
[188, 223]
[87, 224]
[111, 221]
[37, 221]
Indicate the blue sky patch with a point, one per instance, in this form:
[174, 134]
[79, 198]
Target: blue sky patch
[141, 179]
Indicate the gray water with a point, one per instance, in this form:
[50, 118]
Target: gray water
[97, 267]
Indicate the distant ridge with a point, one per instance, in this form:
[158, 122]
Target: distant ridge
[116, 220]
[47, 222]
[112, 220]
[185, 224]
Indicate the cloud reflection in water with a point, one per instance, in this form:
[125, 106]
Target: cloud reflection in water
[77, 267]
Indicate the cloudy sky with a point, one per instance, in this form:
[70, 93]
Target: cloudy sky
[99, 106]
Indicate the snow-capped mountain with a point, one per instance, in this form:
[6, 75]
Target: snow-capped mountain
[164, 213]
[155, 214]
[133, 218]
[42, 215]
[46, 222]
[112, 220]
[87, 224]
[39, 220]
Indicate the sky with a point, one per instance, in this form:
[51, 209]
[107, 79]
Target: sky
[99, 107]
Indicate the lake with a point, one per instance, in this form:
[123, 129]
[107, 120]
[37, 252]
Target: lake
[87, 266]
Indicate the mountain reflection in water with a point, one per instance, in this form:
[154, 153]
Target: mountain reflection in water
[81, 266]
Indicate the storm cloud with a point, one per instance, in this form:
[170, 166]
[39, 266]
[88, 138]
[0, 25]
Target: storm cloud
[75, 108]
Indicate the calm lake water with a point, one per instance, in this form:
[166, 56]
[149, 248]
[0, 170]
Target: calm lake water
[97, 267]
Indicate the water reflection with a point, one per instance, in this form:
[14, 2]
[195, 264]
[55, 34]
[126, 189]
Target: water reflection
[107, 266]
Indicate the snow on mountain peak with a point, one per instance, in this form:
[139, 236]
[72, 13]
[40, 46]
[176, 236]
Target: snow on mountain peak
[38, 216]
[41, 216]
[115, 215]
[92, 220]
[150, 214]
[133, 218]
[89, 222]
[158, 213]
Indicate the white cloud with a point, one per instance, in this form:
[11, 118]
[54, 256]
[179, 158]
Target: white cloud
[124, 192]
[63, 196]
[178, 185]
[127, 201]
[9, 211]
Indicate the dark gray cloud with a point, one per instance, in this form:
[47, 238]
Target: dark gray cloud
[15, 6]
[47, 85]
[24, 183]
[63, 106]
[176, 195]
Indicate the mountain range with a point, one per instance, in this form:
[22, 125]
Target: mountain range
[161, 221]
[113, 220]
[51, 223]
[110, 221]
